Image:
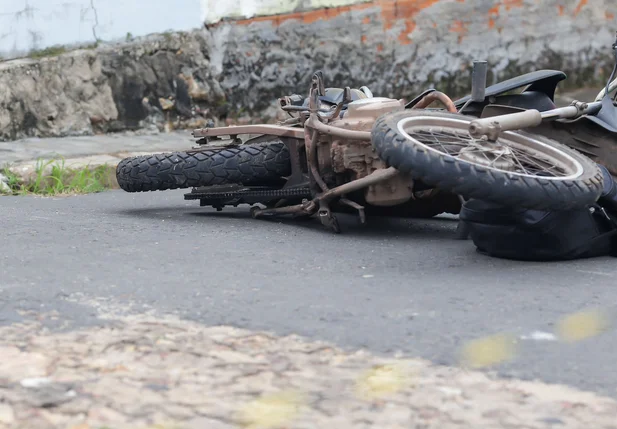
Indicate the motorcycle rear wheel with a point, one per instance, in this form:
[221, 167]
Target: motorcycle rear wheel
[520, 170]
[255, 164]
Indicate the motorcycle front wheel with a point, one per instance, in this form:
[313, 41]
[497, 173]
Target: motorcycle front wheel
[520, 169]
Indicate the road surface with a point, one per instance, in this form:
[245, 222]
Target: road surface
[394, 285]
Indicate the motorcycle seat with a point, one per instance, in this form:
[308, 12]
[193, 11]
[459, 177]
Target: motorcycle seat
[544, 81]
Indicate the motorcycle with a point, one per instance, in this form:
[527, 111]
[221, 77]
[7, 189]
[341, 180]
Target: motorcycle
[345, 150]
[320, 161]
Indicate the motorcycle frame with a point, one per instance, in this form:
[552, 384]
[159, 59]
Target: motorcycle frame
[311, 124]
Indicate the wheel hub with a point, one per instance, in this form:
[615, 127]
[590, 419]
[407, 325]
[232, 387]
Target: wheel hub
[488, 154]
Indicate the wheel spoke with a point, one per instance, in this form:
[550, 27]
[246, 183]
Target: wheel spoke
[452, 141]
[541, 166]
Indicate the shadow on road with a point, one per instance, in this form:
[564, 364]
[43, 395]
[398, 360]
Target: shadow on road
[439, 228]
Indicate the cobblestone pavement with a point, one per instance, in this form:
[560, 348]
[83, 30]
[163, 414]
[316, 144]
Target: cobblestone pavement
[148, 371]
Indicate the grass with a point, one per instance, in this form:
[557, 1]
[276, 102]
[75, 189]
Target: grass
[168, 35]
[53, 177]
[56, 50]
[52, 51]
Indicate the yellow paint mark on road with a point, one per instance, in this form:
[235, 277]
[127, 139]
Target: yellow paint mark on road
[489, 351]
[582, 325]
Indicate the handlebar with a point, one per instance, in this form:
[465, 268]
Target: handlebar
[493, 125]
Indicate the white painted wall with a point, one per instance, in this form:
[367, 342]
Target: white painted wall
[37, 24]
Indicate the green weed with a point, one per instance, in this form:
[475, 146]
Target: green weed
[52, 51]
[55, 178]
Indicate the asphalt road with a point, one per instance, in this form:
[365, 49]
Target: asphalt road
[394, 285]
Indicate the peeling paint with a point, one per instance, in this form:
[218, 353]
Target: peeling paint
[395, 12]
[580, 6]
[217, 10]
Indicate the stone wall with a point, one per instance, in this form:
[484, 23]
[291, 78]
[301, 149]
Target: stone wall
[147, 84]
[234, 70]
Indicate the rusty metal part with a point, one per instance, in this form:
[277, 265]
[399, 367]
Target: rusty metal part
[342, 151]
[298, 176]
[410, 104]
[290, 109]
[358, 207]
[326, 217]
[314, 123]
[325, 160]
[293, 121]
[235, 130]
[325, 214]
[322, 201]
[376, 177]
[294, 108]
[357, 157]
[339, 107]
[392, 192]
[436, 96]
[317, 89]
[311, 154]
[307, 208]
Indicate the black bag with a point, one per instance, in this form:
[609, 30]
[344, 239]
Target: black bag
[532, 235]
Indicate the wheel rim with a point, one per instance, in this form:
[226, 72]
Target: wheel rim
[512, 153]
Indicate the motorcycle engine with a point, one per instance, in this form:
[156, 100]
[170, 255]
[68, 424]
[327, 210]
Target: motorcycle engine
[357, 158]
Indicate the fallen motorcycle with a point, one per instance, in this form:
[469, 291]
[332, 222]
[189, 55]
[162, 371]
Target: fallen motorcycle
[319, 161]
